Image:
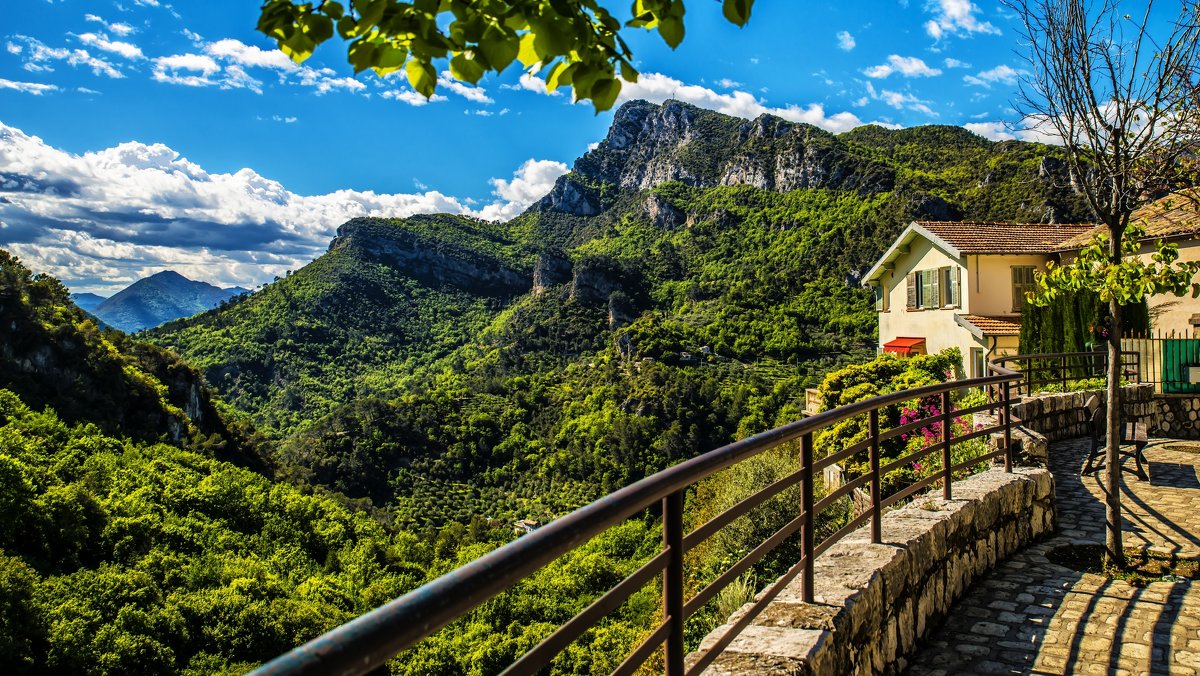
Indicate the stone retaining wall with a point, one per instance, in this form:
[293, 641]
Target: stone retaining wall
[875, 601]
[1047, 418]
[1176, 416]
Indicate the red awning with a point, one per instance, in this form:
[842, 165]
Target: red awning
[905, 347]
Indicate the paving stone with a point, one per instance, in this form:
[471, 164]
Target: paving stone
[1033, 617]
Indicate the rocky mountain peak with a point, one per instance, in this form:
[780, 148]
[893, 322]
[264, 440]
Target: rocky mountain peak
[650, 144]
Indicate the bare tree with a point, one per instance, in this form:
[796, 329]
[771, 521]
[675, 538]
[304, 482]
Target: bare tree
[1119, 93]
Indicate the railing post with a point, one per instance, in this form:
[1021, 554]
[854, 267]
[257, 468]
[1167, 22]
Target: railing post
[1007, 410]
[1063, 358]
[806, 504]
[673, 582]
[946, 434]
[876, 517]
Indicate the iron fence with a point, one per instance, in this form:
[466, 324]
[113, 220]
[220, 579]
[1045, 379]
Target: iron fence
[1171, 360]
[1062, 371]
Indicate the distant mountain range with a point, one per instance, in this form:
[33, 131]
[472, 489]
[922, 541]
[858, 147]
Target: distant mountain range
[155, 300]
[87, 301]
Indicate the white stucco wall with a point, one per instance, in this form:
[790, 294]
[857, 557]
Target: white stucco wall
[986, 290]
[937, 327]
[1169, 312]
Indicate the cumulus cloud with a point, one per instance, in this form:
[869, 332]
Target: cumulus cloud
[35, 88]
[657, 88]
[242, 54]
[955, 17]
[986, 78]
[531, 181]
[908, 66]
[102, 219]
[845, 41]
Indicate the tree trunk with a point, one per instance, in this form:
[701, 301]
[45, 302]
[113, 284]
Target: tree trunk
[1112, 503]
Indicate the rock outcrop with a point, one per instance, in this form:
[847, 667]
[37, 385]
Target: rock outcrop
[434, 261]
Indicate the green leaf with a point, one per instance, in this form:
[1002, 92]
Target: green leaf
[671, 30]
[738, 11]
[421, 76]
[389, 58]
[362, 54]
[499, 48]
[333, 10]
[604, 93]
[526, 54]
[320, 28]
[465, 68]
[559, 75]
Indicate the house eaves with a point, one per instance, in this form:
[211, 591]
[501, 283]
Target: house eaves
[901, 247]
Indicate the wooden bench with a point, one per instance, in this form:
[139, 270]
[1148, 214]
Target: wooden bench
[1132, 434]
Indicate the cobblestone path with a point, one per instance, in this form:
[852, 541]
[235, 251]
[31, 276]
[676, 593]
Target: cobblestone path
[1030, 616]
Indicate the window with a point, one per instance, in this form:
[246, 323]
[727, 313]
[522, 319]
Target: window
[950, 282]
[934, 288]
[977, 365]
[881, 298]
[1022, 281]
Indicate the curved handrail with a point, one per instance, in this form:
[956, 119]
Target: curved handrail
[371, 639]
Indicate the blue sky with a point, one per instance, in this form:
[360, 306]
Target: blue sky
[140, 135]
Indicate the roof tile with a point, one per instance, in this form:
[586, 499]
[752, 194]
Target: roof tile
[1004, 238]
[995, 326]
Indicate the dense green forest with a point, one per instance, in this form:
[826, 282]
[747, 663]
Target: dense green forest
[204, 495]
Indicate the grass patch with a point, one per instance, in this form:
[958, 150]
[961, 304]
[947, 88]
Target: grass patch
[1183, 448]
[1141, 566]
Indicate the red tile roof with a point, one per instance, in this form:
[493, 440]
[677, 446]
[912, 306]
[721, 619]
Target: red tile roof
[1004, 238]
[995, 326]
[1175, 215]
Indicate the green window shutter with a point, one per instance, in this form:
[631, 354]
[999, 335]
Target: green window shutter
[954, 293]
[912, 290]
[935, 289]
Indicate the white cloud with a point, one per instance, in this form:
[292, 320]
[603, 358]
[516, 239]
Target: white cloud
[118, 29]
[533, 83]
[845, 41]
[900, 100]
[35, 88]
[325, 80]
[657, 88]
[124, 49]
[986, 78]
[102, 219]
[39, 58]
[242, 54]
[529, 183]
[908, 66]
[476, 94]
[955, 17]
[411, 97]
[955, 63]
[996, 131]
[728, 84]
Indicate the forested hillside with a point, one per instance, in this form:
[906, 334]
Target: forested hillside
[680, 288]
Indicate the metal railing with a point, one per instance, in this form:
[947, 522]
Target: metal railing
[1060, 369]
[372, 639]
